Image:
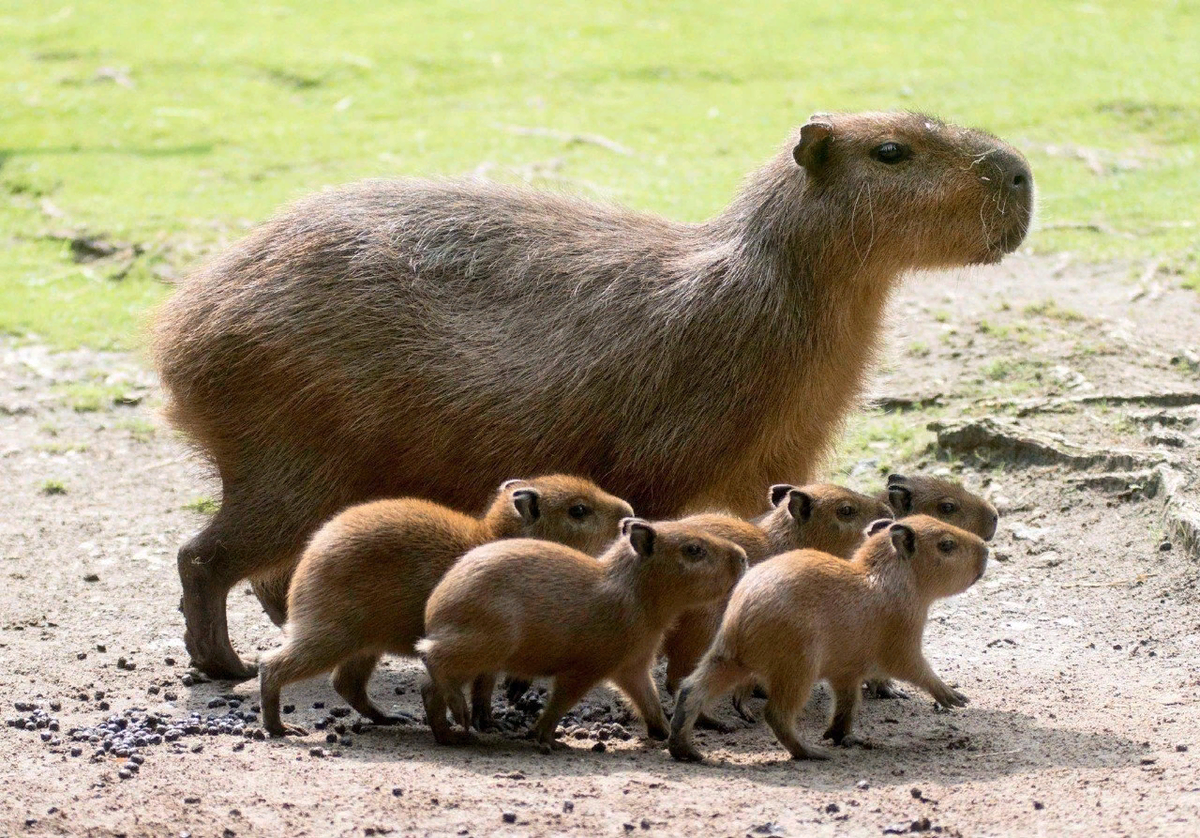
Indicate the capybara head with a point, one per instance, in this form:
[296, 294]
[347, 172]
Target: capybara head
[943, 559]
[913, 187]
[681, 563]
[558, 507]
[820, 516]
[943, 499]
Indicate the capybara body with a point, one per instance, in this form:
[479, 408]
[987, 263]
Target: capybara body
[806, 616]
[819, 516]
[431, 338]
[943, 499]
[534, 608]
[360, 588]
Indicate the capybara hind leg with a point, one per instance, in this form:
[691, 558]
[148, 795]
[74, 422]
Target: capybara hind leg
[635, 682]
[207, 570]
[294, 662]
[435, 715]
[784, 703]
[271, 588]
[846, 697]
[568, 689]
[713, 678]
[481, 701]
[350, 680]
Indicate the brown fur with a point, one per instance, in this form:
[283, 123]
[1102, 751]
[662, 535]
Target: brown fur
[430, 338]
[361, 586]
[806, 616]
[820, 516]
[538, 609]
[943, 499]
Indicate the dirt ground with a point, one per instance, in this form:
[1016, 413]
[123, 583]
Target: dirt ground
[1069, 394]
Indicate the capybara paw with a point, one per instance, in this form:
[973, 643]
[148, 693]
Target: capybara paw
[659, 732]
[745, 712]
[684, 751]
[950, 697]
[810, 752]
[883, 690]
[287, 730]
[707, 722]
[547, 746]
[388, 721]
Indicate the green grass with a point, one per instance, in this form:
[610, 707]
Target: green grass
[205, 506]
[176, 125]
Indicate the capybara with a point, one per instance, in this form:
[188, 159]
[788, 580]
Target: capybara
[534, 608]
[806, 616]
[417, 338]
[820, 516]
[944, 499]
[360, 588]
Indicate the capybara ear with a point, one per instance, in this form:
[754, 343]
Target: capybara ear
[641, 536]
[813, 148]
[508, 484]
[896, 480]
[900, 498]
[877, 526]
[526, 503]
[904, 540]
[625, 522]
[800, 504]
[779, 491]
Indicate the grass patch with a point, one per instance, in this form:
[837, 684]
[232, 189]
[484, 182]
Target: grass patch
[87, 397]
[1053, 311]
[54, 487]
[175, 131]
[139, 429]
[892, 440]
[205, 506]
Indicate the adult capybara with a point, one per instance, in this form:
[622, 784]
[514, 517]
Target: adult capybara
[433, 338]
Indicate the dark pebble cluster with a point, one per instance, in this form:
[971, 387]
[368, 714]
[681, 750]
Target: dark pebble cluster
[126, 735]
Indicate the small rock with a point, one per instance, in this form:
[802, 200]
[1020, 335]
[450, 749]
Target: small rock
[862, 785]
[599, 747]
[397, 791]
[1181, 748]
[92, 577]
[1039, 805]
[1165, 546]
[82, 656]
[169, 661]
[331, 738]
[568, 806]
[509, 817]
[289, 708]
[832, 808]
[316, 752]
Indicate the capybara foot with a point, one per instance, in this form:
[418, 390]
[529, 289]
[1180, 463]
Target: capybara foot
[809, 752]
[883, 689]
[286, 730]
[218, 662]
[683, 751]
[482, 719]
[547, 746]
[743, 709]
[844, 739]
[948, 696]
[657, 731]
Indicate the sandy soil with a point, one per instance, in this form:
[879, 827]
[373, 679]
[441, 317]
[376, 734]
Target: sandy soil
[1080, 649]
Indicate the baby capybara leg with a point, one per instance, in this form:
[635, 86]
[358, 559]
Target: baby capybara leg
[293, 662]
[785, 699]
[481, 701]
[271, 588]
[635, 682]
[846, 698]
[714, 677]
[568, 689]
[350, 680]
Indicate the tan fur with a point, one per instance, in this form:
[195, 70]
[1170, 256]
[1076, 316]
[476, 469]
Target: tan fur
[820, 516]
[806, 616]
[360, 588]
[943, 499]
[538, 609]
[430, 338]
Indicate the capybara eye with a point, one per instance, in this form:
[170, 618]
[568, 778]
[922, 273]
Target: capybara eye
[845, 511]
[947, 507]
[946, 545]
[694, 551]
[891, 153]
[579, 511]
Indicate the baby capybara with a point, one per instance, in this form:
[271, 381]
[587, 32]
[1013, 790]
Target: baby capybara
[361, 585]
[806, 616]
[416, 338]
[534, 609]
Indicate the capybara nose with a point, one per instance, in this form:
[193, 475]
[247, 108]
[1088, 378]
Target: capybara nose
[993, 522]
[1015, 174]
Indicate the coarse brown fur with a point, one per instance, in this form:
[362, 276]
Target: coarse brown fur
[806, 616]
[943, 499]
[361, 585]
[820, 516]
[430, 338]
[538, 609]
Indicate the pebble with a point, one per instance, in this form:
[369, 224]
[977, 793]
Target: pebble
[599, 747]
[91, 577]
[331, 738]
[397, 791]
[339, 712]
[316, 752]
[1181, 748]
[1039, 805]
[509, 817]
[568, 806]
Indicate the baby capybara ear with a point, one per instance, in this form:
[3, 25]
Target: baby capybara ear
[899, 494]
[778, 492]
[800, 505]
[904, 540]
[526, 503]
[641, 536]
[813, 148]
[877, 526]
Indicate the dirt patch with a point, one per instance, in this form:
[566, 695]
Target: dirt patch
[1068, 394]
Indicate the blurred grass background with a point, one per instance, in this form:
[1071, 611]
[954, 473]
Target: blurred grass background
[137, 137]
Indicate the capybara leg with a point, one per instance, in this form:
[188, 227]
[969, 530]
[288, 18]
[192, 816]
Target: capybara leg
[686, 644]
[435, 715]
[846, 697]
[919, 672]
[783, 704]
[271, 588]
[514, 688]
[293, 662]
[712, 679]
[635, 682]
[568, 689]
[207, 570]
[350, 680]
[481, 701]
[740, 696]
